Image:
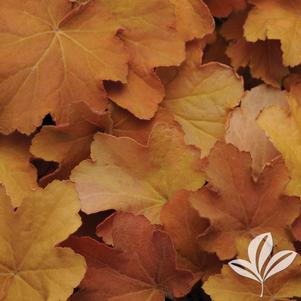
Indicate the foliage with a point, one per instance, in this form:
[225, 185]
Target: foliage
[144, 145]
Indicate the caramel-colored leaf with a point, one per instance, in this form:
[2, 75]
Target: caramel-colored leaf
[236, 205]
[253, 139]
[194, 20]
[129, 176]
[141, 266]
[127, 125]
[184, 224]
[69, 144]
[216, 51]
[224, 8]
[264, 58]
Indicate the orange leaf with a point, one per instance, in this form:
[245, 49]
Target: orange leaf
[194, 20]
[151, 39]
[81, 54]
[68, 144]
[141, 95]
[52, 55]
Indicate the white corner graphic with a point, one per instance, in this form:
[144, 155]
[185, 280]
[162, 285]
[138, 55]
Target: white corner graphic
[260, 267]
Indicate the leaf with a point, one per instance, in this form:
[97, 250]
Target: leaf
[224, 8]
[83, 45]
[31, 266]
[104, 230]
[141, 95]
[144, 90]
[200, 97]
[151, 39]
[68, 144]
[72, 43]
[282, 127]
[274, 20]
[127, 125]
[184, 225]
[156, 42]
[184, 235]
[234, 287]
[194, 19]
[141, 266]
[264, 58]
[17, 175]
[253, 139]
[216, 51]
[236, 205]
[142, 178]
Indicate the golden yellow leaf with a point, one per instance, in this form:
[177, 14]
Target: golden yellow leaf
[200, 97]
[129, 176]
[277, 20]
[17, 175]
[31, 266]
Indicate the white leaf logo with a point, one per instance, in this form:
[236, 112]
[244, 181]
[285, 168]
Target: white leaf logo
[260, 267]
